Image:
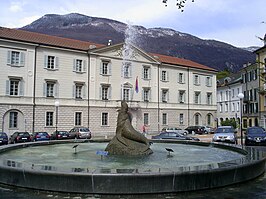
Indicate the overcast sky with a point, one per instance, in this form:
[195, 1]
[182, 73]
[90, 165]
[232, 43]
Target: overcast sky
[237, 22]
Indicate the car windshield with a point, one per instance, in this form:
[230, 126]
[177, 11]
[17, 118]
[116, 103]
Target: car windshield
[224, 130]
[255, 130]
[62, 132]
[84, 129]
[2, 134]
[23, 134]
[42, 133]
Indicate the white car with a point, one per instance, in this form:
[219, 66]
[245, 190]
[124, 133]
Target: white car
[175, 130]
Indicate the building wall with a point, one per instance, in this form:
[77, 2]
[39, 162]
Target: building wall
[91, 105]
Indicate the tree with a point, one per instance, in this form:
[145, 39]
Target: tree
[179, 3]
[230, 122]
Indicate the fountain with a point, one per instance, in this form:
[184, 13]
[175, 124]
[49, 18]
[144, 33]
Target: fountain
[131, 167]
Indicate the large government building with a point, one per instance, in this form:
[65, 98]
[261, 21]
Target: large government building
[50, 83]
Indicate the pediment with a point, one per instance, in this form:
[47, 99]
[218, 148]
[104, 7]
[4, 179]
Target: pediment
[124, 52]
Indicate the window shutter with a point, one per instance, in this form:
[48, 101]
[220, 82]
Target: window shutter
[109, 92]
[74, 65]
[9, 57]
[149, 71]
[161, 95]
[44, 89]
[167, 76]
[184, 80]
[142, 73]
[7, 87]
[22, 59]
[150, 95]
[131, 93]
[210, 81]
[84, 88]
[56, 90]
[142, 95]
[101, 68]
[121, 93]
[109, 68]
[84, 66]
[74, 91]
[167, 95]
[122, 70]
[56, 62]
[21, 88]
[199, 80]
[161, 75]
[45, 61]
[100, 92]
[130, 70]
[178, 77]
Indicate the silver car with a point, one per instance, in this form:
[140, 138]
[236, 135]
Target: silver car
[80, 132]
[176, 130]
[225, 134]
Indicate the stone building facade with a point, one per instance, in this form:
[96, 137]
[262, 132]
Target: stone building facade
[89, 80]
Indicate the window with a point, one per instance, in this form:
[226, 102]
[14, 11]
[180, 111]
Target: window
[146, 72]
[181, 78]
[221, 96]
[209, 98]
[209, 119]
[16, 58]
[127, 92]
[51, 62]
[197, 97]
[221, 108]
[78, 118]
[146, 118]
[196, 80]
[50, 88]
[49, 118]
[165, 95]
[13, 120]
[105, 68]
[104, 119]
[79, 66]
[233, 92]
[164, 119]
[226, 107]
[181, 118]
[164, 76]
[79, 91]
[14, 87]
[233, 107]
[197, 119]
[146, 94]
[105, 92]
[208, 81]
[126, 69]
[181, 98]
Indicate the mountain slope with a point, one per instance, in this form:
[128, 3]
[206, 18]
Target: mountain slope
[212, 53]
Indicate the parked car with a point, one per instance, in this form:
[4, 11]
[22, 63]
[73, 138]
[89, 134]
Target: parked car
[209, 129]
[3, 138]
[255, 136]
[18, 137]
[225, 134]
[60, 135]
[175, 136]
[176, 130]
[196, 129]
[80, 132]
[40, 136]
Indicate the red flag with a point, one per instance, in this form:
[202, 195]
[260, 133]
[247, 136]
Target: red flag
[137, 85]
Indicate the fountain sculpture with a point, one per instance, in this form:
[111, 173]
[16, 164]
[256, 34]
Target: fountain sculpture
[127, 140]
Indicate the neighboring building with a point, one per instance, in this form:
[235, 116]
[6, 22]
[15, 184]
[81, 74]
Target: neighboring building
[228, 102]
[90, 80]
[251, 84]
[261, 64]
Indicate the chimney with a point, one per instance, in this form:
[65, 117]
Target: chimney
[109, 42]
[264, 40]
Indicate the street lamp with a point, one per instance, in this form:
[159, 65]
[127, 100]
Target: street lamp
[241, 96]
[56, 104]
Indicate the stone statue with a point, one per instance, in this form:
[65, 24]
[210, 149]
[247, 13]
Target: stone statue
[127, 140]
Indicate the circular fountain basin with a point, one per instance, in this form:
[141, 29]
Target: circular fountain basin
[57, 166]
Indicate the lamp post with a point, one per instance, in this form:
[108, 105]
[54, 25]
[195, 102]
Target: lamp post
[56, 104]
[241, 96]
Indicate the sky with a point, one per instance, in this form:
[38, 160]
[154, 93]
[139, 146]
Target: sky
[236, 22]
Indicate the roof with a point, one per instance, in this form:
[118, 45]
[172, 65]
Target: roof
[183, 62]
[38, 38]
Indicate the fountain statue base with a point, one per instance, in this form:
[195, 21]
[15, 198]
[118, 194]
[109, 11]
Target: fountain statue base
[127, 140]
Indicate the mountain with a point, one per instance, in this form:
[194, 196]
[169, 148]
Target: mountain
[165, 41]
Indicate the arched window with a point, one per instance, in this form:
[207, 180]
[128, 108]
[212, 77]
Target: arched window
[197, 119]
[209, 119]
